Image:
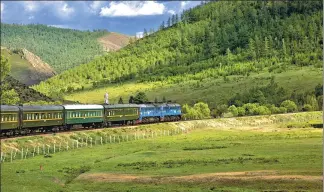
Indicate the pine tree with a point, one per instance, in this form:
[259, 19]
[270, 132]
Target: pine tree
[120, 100]
[164, 99]
[173, 20]
[156, 100]
[177, 18]
[145, 33]
[169, 22]
[162, 26]
[131, 99]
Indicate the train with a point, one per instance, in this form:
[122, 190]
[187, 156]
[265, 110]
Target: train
[26, 119]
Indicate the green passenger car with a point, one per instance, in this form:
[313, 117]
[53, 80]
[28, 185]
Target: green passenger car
[42, 116]
[9, 117]
[122, 113]
[86, 115]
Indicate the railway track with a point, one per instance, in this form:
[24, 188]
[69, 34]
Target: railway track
[77, 129]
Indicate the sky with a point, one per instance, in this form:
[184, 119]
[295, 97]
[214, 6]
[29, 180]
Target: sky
[126, 17]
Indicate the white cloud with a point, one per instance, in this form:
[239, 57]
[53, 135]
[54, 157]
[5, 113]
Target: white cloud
[66, 10]
[30, 6]
[171, 12]
[139, 34]
[95, 6]
[31, 17]
[184, 4]
[132, 8]
[2, 9]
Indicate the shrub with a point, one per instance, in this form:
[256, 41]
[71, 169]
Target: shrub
[240, 111]
[289, 105]
[307, 107]
[282, 110]
[263, 110]
[202, 110]
[232, 109]
[251, 108]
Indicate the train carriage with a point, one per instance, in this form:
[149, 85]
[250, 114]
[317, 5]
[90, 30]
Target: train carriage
[42, 117]
[9, 118]
[85, 115]
[121, 114]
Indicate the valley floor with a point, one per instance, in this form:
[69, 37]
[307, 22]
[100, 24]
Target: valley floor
[232, 154]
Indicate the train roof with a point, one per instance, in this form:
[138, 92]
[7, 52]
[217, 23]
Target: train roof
[42, 108]
[9, 108]
[121, 106]
[160, 105]
[170, 105]
[78, 106]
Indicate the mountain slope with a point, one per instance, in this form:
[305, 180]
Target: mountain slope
[26, 67]
[61, 48]
[113, 41]
[212, 42]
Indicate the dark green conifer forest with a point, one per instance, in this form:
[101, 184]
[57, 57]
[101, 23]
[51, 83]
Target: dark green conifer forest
[61, 48]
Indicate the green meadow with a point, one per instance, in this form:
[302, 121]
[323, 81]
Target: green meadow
[260, 153]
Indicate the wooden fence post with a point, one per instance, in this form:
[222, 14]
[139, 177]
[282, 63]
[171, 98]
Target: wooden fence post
[37, 149]
[22, 153]
[101, 140]
[109, 138]
[11, 156]
[26, 153]
[15, 153]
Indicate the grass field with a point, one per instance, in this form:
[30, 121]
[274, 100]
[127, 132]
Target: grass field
[210, 90]
[231, 154]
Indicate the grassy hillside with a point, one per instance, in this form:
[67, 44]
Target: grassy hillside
[214, 91]
[26, 67]
[232, 154]
[206, 52]
[61, 48]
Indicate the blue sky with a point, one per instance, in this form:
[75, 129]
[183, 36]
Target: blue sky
[127, 17]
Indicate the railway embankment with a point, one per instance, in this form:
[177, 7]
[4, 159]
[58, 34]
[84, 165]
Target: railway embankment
[31, 146]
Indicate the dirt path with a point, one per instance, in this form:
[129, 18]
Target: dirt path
[208, 177]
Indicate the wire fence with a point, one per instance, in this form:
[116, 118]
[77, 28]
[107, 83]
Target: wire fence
[46, 149]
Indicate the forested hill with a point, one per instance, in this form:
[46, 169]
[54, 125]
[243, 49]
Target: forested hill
[61, 48]
[218, 39]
